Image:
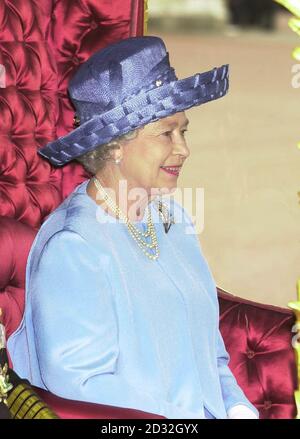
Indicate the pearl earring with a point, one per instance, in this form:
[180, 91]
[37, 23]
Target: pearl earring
[118, 161]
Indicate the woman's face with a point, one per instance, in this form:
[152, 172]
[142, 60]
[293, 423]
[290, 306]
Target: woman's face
[146, 159]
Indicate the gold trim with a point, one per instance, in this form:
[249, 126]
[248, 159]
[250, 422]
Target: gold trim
[146, 16]
[15, 399]
[24, 403]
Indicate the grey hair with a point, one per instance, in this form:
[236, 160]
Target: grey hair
[95, 160]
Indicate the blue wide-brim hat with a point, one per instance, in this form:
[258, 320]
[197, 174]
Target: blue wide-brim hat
[125, 86]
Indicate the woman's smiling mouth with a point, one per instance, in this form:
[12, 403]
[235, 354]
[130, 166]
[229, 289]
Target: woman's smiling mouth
[173, 170]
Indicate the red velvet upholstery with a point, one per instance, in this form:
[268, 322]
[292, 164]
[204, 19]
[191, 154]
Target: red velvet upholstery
[259, 340]
[42, 43]
[15, 242]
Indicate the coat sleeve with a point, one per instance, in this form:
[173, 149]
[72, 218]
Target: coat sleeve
[232, 393]
[76, 325]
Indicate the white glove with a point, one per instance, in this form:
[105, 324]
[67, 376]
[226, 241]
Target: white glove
[241, 411]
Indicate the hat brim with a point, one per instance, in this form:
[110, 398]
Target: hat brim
[148, 106]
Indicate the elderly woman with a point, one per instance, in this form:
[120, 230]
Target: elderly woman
[121, 307]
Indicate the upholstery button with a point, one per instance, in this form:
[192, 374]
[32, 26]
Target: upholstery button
[75, 59]
[250, 354]
[94, 25]
[267, 405]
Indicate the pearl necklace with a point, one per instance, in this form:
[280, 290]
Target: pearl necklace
[136, 234]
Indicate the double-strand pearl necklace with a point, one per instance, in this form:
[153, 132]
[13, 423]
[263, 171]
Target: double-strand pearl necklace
[135, 233]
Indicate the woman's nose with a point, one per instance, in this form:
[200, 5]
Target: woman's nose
[182, 148]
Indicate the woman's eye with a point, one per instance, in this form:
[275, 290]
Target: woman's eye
[170, 133]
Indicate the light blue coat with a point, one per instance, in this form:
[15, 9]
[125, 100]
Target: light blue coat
[105, 324]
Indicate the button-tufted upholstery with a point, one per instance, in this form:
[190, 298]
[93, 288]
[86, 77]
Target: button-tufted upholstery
[259, 340]
[42, 43]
